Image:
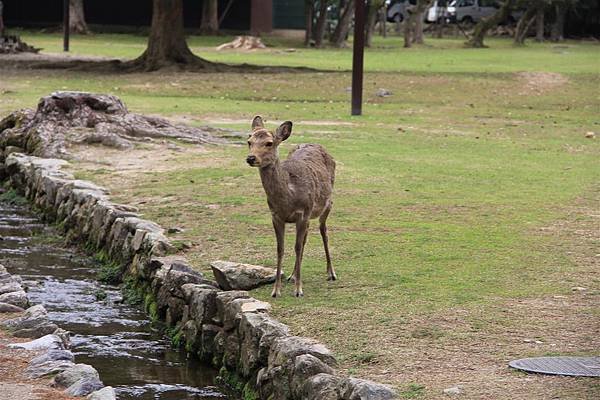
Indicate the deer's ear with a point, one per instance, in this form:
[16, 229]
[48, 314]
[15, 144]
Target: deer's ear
[257, 122]
[284, 131]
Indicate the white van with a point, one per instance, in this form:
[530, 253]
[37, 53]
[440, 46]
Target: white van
[396, 10]
[437, 11]
[471, 11]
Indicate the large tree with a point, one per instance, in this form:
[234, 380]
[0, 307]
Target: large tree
[488, 23]
[525, 22]
[210, 17]
[1, 19]
[342, 29]
[373, 13]
[413, 26]
[77, 22]
[166, 43]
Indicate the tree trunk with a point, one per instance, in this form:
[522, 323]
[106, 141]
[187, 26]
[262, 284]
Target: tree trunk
[321, 21]
[413, 25]
[1, 19]
[309, 13]
[539, 22]
[373, 13]
[525, 23]
[210, 17]
[557, 33]
[343, 26]
[488, 23]
[166, 43]
[77, 17]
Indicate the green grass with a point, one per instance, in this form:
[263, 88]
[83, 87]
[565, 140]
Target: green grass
[441, 193]
[439, 56]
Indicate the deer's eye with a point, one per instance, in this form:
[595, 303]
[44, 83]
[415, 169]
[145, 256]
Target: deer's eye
[269, 144]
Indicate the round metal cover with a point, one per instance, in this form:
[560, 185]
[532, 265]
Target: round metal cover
[569, 366]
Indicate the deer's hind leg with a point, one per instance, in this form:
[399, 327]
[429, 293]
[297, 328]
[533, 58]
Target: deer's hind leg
[323, 228]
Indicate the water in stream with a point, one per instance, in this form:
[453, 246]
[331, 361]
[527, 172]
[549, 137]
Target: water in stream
[116, 338]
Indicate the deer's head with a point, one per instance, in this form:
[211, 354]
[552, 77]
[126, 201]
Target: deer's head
[263, 144]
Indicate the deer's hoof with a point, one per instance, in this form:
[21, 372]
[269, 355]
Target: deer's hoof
[299, 294]
[332, 277]
[275, 294]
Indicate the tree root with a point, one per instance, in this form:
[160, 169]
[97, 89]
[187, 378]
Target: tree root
[65, 118]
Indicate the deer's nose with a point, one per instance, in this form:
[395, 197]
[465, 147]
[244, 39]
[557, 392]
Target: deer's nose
[251, 160]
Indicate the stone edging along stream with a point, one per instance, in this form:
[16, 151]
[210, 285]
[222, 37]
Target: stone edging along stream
[255, 353]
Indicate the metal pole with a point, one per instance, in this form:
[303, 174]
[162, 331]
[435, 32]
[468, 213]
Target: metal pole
[66, 24]
[357, 56]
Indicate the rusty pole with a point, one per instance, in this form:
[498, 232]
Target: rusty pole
[358, 56]
[66, 24]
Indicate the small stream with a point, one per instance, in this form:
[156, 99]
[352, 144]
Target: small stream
[115, 338]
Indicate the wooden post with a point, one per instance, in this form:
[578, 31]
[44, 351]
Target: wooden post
[358, 56]
[66, 23]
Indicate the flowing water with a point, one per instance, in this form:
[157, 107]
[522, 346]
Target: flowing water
[115, 338]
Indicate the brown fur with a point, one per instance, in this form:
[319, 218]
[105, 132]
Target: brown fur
[298, 189]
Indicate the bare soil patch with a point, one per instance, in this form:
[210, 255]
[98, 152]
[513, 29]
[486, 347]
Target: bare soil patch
[537, 83]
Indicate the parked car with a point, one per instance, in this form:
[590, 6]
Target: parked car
[396, 10]
[471, 11]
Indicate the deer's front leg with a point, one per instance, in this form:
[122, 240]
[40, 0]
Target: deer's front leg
[279, 227]
[301, 233]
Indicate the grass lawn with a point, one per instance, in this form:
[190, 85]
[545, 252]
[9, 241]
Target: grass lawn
[465, 211]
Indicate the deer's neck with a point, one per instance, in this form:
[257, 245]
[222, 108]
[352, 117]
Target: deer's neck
[275, 182]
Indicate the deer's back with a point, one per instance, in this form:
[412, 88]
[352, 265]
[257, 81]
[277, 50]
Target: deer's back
[312, 174]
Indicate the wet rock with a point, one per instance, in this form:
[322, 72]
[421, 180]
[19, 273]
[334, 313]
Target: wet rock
[76, 373]
[53, 355]
[453, 391]
[237, 276]
[360, 389]
[106, 393]
[84, 386]
[48, 368]
[33, 323]
[9, 308]
[47, 342]
[10, 286]
[258, 331]
[231, 353]
[209, 339]
[36, 331]
[321, 387]
[18, 298]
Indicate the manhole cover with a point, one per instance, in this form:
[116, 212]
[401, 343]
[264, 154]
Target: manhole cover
[570, 366]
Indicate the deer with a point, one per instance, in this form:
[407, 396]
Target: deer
[298, 189]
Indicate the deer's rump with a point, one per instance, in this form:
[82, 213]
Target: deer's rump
[312, 172]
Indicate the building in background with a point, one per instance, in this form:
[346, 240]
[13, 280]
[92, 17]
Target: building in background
[256, 16]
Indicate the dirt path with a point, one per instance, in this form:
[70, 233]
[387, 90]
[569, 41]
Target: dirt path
[14, 385]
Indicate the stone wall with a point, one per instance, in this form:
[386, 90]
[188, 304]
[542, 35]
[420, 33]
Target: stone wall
[231, 330]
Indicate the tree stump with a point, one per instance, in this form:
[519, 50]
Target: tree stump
[65, 118]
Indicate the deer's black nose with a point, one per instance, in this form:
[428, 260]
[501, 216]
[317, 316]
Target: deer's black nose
[251, 160]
